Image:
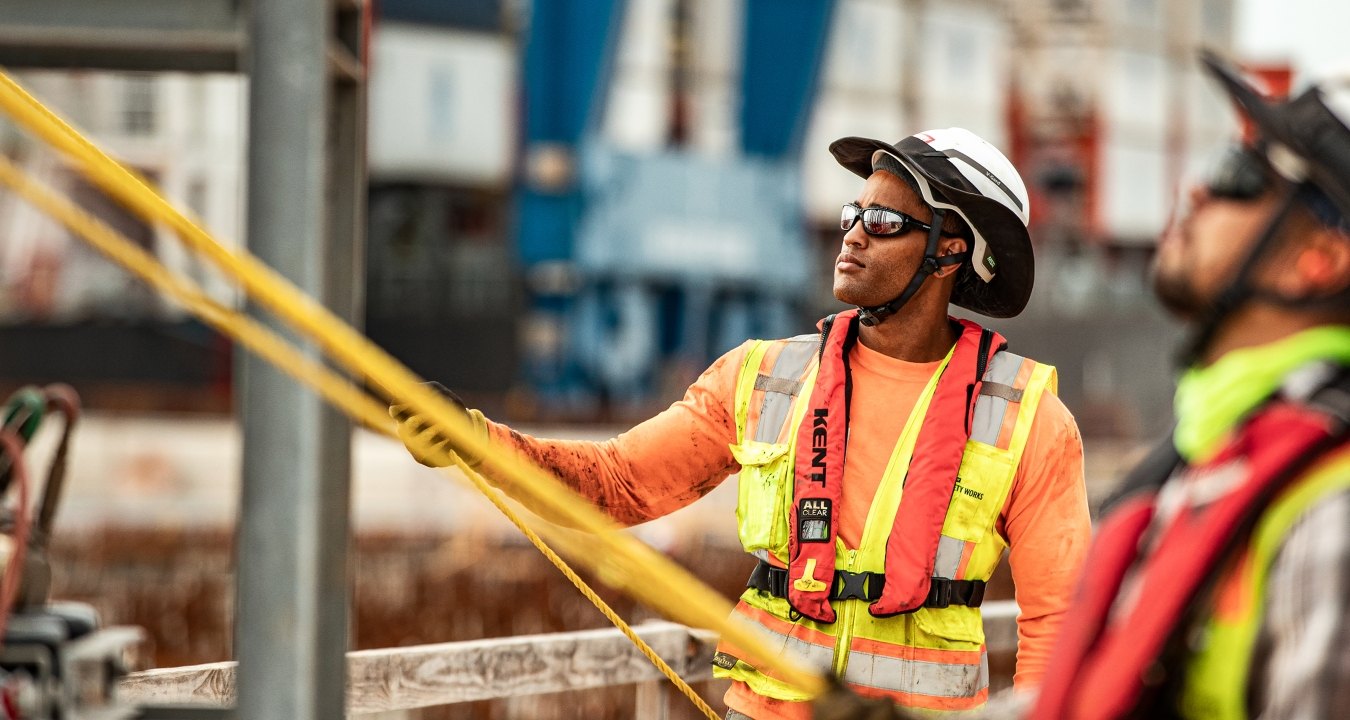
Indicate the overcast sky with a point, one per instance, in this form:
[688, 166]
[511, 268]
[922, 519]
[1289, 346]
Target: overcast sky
[1310, 34]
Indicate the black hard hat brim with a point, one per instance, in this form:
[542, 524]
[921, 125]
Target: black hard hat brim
[1304, 125]
[1007, 294]
[1251, 102]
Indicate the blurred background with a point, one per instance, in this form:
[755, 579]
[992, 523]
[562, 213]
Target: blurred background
[574, 207]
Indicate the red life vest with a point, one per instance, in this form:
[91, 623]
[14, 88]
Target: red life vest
[911, 550]
[1108, 663]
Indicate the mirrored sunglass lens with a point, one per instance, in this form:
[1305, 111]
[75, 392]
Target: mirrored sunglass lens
[882, 222]
[1239, 175]
[847, 217]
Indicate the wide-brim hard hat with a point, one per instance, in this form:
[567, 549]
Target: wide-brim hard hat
[955, 169]
[1306, 139]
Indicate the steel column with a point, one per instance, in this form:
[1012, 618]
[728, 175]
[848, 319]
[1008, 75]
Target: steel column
[291, 614]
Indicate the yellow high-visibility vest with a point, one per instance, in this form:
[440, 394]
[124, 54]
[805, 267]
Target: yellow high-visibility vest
[933, 658]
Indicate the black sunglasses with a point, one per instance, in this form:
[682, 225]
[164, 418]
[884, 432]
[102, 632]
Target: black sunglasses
[1241, 173]
[879, 221]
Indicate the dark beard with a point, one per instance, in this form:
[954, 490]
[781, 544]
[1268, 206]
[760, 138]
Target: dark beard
[1179, 297]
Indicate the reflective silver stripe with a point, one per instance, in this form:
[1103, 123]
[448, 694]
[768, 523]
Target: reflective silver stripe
[989, 408]
[782, 386]
[791, 364]
[816, 656]
[983, 681]
[948, 556]
[772, 417]
[813, 656]
[951, 680]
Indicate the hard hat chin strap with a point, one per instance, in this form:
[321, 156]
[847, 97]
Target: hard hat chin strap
[1240, 290]
[871, 316]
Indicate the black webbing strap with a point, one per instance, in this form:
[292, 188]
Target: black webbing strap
[942, 592]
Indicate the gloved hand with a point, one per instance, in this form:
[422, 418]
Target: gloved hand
[442, 452]
[840, 703]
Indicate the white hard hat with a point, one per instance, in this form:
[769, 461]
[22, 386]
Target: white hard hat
[956, 169]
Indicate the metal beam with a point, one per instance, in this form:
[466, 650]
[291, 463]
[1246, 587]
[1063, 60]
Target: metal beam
[127, 14]
[304, 201]
[23, 47]
[181, 35]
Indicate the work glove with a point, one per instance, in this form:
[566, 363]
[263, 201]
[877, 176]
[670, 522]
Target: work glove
[442, 452]
[840, 703]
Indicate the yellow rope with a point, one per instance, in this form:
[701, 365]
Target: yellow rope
[616, 557]
[270, 346]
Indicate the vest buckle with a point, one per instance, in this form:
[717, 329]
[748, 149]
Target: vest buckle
[939, 593]
[856, 585]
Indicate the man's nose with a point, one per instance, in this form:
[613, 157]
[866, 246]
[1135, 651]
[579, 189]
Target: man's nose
[1197, 196]
[855, 237]
[1188, 201]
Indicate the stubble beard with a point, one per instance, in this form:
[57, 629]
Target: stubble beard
[1173, 288]
[861, 295]
[1177, 293]
[849, 290]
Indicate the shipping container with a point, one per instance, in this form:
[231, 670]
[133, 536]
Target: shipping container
[442, 105]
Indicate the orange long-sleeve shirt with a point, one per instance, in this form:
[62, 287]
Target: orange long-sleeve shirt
[682, 453]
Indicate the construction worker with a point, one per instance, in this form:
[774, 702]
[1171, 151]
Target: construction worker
[879, 587]
[1219, 586]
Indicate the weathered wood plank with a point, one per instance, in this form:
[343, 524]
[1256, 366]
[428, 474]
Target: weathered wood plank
[460, 672]
[211, 684]
[426, 675]
[653, 700]
[1000, 625]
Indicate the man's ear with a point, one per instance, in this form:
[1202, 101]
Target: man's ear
[950, 246]
[1322, 266]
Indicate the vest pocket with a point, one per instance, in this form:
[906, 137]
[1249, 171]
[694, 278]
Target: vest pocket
[956, 623]
[985, 474]
[761, 513]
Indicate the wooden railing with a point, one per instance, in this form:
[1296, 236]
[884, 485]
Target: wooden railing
[425, 675]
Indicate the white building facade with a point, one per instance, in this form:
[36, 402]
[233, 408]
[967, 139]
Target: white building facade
[185, 133]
